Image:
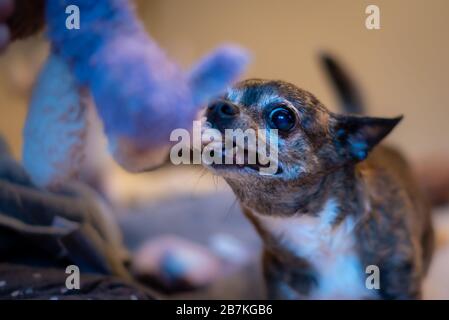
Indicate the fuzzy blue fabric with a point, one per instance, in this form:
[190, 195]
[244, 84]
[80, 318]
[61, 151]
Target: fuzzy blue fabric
[139, 92]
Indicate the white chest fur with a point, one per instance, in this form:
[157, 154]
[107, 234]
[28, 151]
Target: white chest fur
[330, 250]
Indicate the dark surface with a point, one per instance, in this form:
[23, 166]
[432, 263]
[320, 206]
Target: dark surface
[26, 282]
[193, 217]
[198, 219]
[41, 233]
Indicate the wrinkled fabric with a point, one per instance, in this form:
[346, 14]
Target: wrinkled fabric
[48, 230]
[26, 282]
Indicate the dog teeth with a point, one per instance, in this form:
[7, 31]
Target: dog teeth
[228, 153]
[262, 159]
[239, 156]
[206, 125]
[209, 135]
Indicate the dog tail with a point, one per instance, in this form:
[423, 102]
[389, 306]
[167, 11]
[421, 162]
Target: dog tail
[346, 90]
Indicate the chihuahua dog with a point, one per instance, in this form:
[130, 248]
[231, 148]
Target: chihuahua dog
[338, 206]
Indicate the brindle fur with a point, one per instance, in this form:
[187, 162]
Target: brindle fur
[393, 228]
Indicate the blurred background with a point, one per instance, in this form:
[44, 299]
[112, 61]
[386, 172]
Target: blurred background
[402, 69]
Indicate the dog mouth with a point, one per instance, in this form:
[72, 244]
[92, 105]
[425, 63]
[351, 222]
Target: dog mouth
[238, 159]
[235, 160]
[239, 156]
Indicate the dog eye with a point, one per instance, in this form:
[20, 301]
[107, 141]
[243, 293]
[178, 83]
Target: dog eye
[282, 118]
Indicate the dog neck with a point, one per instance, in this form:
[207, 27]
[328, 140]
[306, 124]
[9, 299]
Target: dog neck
[320, 239]
[305, 197]
[327, 200]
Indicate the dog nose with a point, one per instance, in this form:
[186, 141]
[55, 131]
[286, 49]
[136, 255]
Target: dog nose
[222, 114]
[224, 109]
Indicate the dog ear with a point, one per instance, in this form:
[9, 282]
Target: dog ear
[355, 136]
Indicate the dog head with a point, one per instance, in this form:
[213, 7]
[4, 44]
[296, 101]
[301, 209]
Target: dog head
[311, 140]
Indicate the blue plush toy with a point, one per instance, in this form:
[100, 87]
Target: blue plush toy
[139, 93]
